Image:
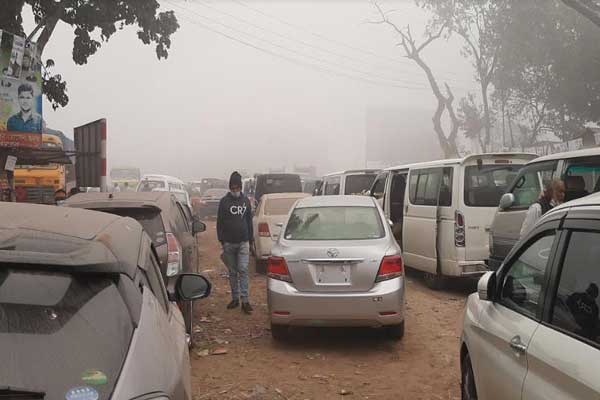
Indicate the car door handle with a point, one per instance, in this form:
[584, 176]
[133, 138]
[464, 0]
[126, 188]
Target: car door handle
[517, 345]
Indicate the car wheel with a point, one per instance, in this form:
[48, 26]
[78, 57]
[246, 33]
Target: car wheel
[188, 317]
[434, 281]
[395, 332]
[279, 332]
[467, 387]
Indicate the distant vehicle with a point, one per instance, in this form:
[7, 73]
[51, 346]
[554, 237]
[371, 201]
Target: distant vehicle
[309, 183]
[580, 171]
[441, 211]
[351, 182]
[168, 222]
[165, 183]
[208, 204]
[532, 329]
[127, 178]
[336, 264]
[75, 276]
[37, 183]
[201, 186]
[270, 215]
[277, 183]
[249, 189]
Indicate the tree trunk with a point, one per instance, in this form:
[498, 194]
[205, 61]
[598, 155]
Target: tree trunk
[486, 113]
[510, 129]
[46, 33]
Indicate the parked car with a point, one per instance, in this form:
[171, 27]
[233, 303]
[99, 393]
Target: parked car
[85, 310]
[172, 229]
[442, 220]
[580, 171]
[337, 264]
[270, 215]
[165, 183]
[348, 182]
[532, 330]
[277, 183]
[208, 204]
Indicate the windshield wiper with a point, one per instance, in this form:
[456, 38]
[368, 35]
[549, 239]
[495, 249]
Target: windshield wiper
[7, 392]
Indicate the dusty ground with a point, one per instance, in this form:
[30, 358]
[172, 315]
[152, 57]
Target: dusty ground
[323, 363]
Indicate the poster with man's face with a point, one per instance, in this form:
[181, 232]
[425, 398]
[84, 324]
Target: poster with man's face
[21, 122]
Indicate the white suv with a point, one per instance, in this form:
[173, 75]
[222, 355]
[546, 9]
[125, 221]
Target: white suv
[532, 329]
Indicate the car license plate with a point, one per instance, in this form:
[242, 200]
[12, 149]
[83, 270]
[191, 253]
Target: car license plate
[333, 274]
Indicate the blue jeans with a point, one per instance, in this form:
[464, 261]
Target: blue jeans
[236, 257]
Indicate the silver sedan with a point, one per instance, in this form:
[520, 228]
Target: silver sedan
[336, 264]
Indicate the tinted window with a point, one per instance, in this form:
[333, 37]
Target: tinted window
[334, 223]
[432, 187]
[446, 187]
[576, 304]
[178, 218]
[529, 183]
[486, 184]
[332, 186]
[378, 190]
[56, 327]
[523, 282]
[279, 206]
[357, 184]
[150, 220]
[582, 177]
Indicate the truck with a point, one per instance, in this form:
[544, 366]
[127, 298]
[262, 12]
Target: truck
[127, 178]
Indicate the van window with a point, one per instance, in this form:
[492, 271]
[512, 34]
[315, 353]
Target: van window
[149, 185]
[582, 177]
[357, 184]
[379, 186]
[528, 185]
[332, 186]
[486, 184]
[426, 185]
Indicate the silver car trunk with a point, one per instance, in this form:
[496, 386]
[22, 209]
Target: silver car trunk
[333, 266]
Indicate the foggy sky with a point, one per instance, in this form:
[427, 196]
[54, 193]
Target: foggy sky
[216, 105]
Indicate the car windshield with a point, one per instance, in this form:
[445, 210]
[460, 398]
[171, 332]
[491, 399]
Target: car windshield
[149, 218]
[279, 206]
[149, 185]
[334, 223]
[357, 184]
[59, 331]
[485, 185]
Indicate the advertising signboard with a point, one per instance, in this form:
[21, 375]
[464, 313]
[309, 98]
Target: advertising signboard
[20, 93]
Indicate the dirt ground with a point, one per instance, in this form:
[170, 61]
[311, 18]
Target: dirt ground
[235, 358]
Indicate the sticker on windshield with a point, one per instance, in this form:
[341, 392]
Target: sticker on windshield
[82, 393]
[94, 377]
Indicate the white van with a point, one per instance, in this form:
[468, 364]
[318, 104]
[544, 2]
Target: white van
[442, 220]
[348, 182]
[165, 183]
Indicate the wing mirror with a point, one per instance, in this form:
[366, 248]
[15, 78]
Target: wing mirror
[506, 201]
[486, 287]
[198, 226]
[190, 287]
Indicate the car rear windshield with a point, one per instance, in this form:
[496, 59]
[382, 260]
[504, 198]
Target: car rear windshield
[278, 184]
[149, 218]
[279, 206]
[334, 223]
[60, 331]
[486, 184]
[148, 185]
[357, 184]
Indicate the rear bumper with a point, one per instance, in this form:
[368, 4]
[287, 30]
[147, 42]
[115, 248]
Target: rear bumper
[288, 306]
[464, 269]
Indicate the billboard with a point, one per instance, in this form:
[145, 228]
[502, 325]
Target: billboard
[20, 93]
[90, 150]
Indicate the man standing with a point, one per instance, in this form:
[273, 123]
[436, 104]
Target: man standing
[26, 120]
[553, 195]
[234, 230]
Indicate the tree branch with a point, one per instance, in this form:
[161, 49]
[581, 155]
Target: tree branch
[432, 38]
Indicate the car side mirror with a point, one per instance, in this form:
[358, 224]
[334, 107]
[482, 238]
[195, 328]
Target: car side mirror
[190, 287]
[506, 201]
[198, 226]
[486, 287]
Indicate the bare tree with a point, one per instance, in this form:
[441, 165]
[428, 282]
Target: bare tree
[444, 101]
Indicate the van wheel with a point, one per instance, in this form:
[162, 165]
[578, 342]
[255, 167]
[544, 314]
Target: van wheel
[395, 332]
[467, 386]
[434, 281]
[279, 332]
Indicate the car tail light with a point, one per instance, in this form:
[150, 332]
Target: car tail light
[277, 269]
[263, 230]
[174, 257]
[391, 267]
[459, 229]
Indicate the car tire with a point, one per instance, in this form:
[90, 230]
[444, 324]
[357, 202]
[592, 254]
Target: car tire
[434, 281]
[279, 332]
[467, 386]
[395, 332]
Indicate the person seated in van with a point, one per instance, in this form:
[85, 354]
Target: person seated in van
[575, 188]
[553, 195]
